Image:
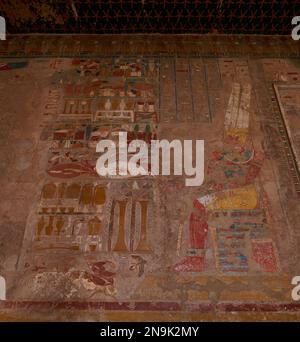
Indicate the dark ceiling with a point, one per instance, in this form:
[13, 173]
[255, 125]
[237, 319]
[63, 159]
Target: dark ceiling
[148, 16]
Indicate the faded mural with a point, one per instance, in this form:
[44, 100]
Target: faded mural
[150, 243]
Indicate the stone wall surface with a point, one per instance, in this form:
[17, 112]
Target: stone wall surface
[78, 246]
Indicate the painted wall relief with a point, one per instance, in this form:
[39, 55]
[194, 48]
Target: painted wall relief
[80, 216]
[94, 100]
[288, 98]
[234, 215]
[139, 239]
[91, 235]
[188, 88]
[108, 225]
[111, 90]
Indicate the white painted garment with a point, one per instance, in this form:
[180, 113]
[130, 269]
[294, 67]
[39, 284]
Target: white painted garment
[2, 288]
